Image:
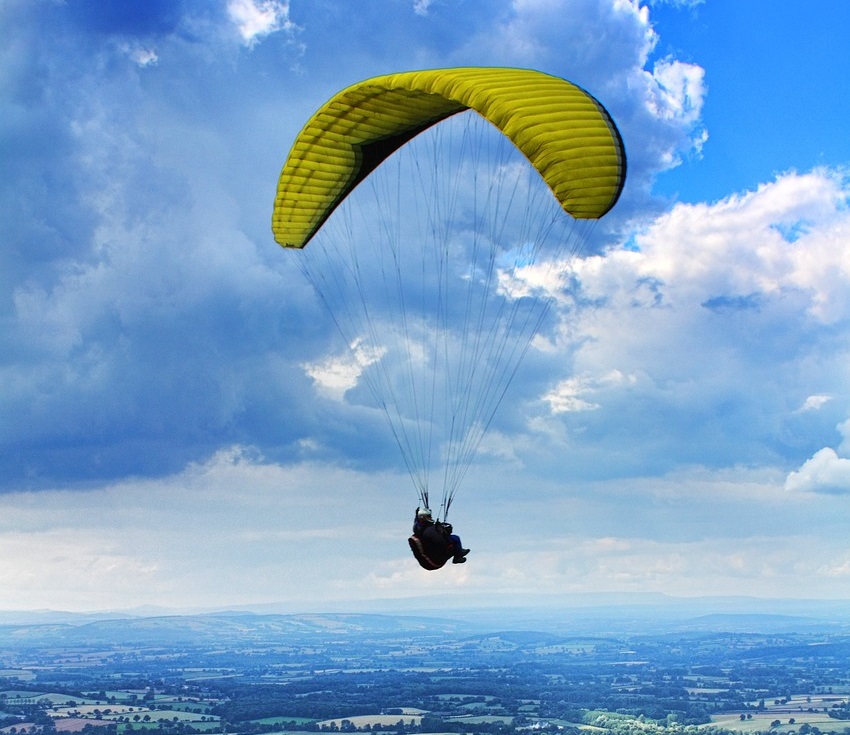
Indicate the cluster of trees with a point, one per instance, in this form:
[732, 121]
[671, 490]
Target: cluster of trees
[494, 692]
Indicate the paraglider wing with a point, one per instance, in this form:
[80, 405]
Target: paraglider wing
[439, 270]
[563, 131]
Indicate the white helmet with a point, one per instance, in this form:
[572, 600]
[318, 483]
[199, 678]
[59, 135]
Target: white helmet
[423, 512]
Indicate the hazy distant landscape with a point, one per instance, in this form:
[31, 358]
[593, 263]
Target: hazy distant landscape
[571, 672]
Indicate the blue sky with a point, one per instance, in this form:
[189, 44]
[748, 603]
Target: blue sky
[774, 100]
[163, 440]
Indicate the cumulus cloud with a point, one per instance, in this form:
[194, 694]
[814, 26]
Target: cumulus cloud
[141, 55]
[677, 96]
[826, 471]
[572, 394]
[334, 376]
[711, 312]
[689, 244]
[813, 403]
[679, 91]
[420, 7]
[256, 19]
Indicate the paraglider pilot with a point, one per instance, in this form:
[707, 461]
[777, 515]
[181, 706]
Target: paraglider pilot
[433, 543]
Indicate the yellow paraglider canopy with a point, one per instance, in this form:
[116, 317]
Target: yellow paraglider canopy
[563, 131]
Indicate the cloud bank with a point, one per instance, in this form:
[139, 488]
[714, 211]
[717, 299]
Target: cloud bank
[161, 359]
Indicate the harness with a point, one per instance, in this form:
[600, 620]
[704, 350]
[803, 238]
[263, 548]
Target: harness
[425, 561]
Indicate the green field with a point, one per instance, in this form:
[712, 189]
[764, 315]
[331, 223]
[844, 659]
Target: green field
[760, 722]
[22, 674]
[371, 720]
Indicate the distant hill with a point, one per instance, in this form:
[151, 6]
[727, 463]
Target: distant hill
[241, 628]
[503, 626]
[759, 623]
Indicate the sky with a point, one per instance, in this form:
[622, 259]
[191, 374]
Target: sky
[164, 441]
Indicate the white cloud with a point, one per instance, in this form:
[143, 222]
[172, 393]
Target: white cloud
[253, 523]
[747, 233]
[679, 91]
[825, 472]
[602, 40]
[338, 374]
[676, 95]
[257, 19]
[543, 278]
[272, 534]
[572, 394]
[814, 403]
[141, 55]
[717, 324]
[751, 567]
[735, 248]
[420, 7]
[43, 567]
